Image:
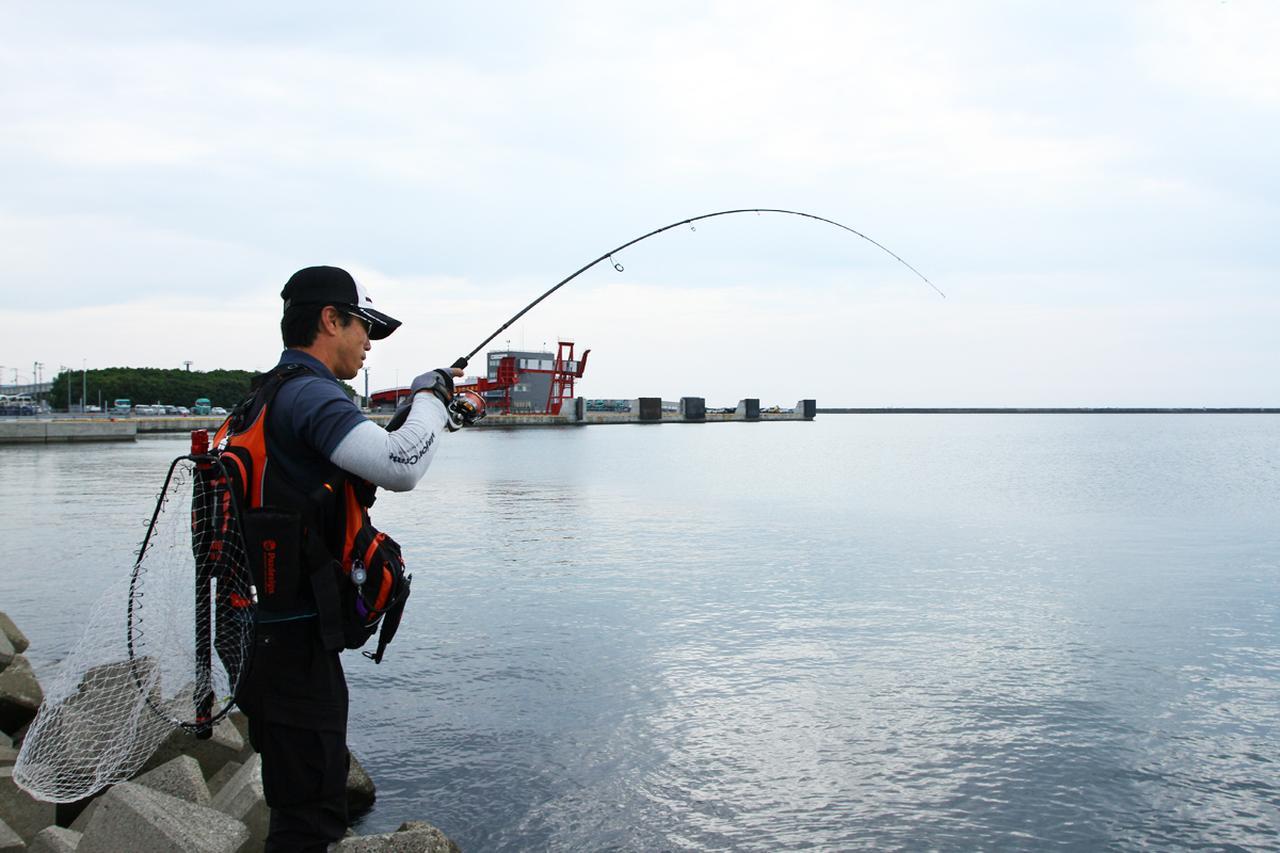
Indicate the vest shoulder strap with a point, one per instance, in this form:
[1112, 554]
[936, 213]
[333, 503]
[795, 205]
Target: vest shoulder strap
[262, 390]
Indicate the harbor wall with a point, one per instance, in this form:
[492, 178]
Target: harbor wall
[32, 431]
[1058, 410]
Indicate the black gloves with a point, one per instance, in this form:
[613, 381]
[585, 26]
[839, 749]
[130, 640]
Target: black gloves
[463, 408]
[438, 382]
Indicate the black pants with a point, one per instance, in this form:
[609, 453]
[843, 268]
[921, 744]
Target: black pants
[295, 696]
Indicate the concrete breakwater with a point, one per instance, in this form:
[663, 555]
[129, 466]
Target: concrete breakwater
[643, 410]
[191, 795]
[1114, 410]
[652, 410]
[39, 431]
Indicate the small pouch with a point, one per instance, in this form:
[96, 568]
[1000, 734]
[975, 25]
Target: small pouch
[273, 538]
[376, 582]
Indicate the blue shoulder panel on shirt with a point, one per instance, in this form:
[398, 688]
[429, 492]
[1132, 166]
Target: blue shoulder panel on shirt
[319, 412]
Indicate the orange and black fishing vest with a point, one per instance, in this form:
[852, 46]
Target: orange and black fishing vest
[314, 553]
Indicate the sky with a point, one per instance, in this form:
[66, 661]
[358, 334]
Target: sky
[1094, 186]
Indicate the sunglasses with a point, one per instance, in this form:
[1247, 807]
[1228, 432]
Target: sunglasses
[368, 327]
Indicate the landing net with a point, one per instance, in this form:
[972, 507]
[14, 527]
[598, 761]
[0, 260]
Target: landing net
[164, 648]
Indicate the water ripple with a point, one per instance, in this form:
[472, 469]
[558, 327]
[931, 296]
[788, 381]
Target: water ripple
[904, 633]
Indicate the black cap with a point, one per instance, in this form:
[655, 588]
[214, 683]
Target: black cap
[337, 287]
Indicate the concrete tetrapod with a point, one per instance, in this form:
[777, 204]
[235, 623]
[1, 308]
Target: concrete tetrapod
[20, 695]
[24, 814]
[10, 840]
[225, 745]
[413, 837]
[179, 778]
[15, 637]
[242, 798]
[224, 774]
[135, 818]
[7, 652]
[55, 839]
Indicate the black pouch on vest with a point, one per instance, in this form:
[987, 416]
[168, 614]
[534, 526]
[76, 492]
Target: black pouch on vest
[375, 584]
[273, 538]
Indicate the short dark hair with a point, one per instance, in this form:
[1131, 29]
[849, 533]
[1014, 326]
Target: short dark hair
[301, 323]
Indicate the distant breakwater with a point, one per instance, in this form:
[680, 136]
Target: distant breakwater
[1053, 410]
[644, 410]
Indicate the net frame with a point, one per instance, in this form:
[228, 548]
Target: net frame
[205, 715]
[168, 658]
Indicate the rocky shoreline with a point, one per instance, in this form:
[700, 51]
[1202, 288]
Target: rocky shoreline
[191, 795]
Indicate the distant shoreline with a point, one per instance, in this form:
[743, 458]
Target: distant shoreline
[1118, 410]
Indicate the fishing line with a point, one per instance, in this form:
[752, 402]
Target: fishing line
[608, 256]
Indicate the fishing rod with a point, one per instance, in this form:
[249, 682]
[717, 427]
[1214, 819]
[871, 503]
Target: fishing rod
[608, 256]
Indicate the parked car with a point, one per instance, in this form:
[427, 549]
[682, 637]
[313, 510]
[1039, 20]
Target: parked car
[218, 410]
[18, 404]
[183, 411]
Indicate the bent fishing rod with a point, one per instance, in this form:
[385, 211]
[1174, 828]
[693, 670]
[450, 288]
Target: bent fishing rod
[608, 256]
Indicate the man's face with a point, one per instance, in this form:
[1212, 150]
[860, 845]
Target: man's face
[353, 343]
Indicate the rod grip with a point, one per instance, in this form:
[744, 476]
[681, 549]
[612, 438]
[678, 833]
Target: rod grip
[461, 363]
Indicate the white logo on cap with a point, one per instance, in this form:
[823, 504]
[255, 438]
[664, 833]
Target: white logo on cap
[362, 295]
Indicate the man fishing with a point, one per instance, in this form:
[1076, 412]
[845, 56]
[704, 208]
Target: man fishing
[323, 461]
[297, 466]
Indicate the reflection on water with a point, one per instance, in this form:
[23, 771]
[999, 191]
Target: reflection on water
[900, 631]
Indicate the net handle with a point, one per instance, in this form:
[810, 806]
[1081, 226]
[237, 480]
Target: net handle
[206, 718]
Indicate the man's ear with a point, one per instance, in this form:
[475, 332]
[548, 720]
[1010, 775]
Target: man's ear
[329, 320]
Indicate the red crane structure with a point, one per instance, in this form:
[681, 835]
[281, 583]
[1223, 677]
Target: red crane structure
[564, 371]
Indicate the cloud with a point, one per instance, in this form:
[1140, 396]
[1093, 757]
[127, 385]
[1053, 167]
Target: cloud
[1214, 50]
[84, 260]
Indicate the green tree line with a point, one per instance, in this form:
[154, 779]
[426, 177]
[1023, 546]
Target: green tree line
[170, 386]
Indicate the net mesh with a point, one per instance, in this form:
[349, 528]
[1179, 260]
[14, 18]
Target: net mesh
[164, 646]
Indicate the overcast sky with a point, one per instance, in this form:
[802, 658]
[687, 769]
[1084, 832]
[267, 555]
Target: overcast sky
[1093, 185]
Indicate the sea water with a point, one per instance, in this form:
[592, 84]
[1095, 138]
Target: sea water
[954, 632]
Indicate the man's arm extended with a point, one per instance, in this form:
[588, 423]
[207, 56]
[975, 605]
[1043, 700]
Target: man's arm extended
[394, 460]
